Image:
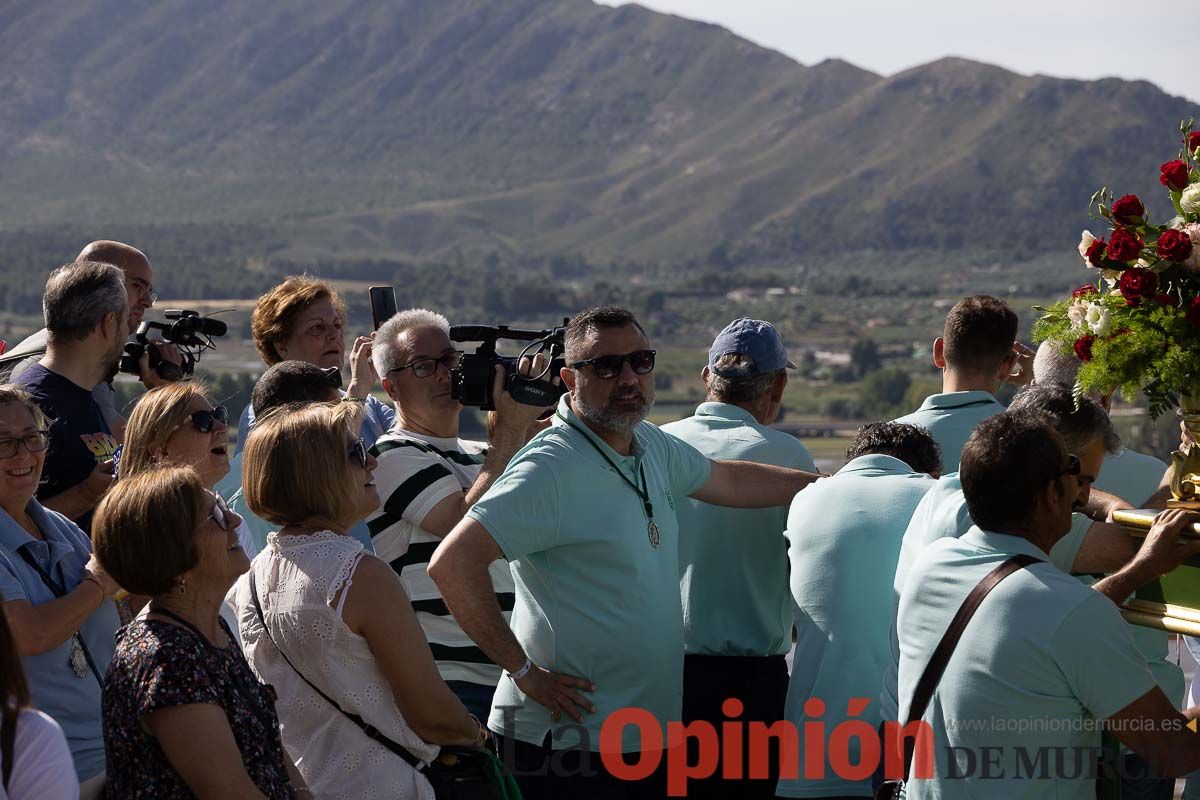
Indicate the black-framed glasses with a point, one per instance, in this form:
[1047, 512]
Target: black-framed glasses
[204, 420]
[609, 367]
[358, 451]
[424, 367]
[34, 442]
[1073, 466]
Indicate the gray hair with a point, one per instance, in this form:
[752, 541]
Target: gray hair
[386, 352]
[12, 393]
[1055, 363]
[742, 389]
[78, 296]
[1078, 425]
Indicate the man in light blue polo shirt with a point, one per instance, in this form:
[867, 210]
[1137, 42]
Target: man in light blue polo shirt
[1045, 659]
[843, 538]
[976, 353]
[1089, 546]
[585, 513]
[737, 613]
[1135, 477]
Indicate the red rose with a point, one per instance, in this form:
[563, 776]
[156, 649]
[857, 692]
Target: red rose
[1174, 175]
[1083, 291]
[1193, 312]
[1124, 245]
[1083, 348]
[1137, 283]
[1193, 141]
[1128, 209]
[1166, 299]
[1095, 253]
[1174, 246]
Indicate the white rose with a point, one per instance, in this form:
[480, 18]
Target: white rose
[1193, 231]
[1098, 319]
[1077, 313]
[1085, 241]
[1190, 201]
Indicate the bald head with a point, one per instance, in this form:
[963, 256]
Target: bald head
[139, 277]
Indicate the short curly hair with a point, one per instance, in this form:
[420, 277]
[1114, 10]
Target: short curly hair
[912, 444]
[144, 531]
[275, 312]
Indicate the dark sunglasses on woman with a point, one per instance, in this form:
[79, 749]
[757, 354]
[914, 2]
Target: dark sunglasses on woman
[204, 420]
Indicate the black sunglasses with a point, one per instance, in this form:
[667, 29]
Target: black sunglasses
[358, 450]
[204, 420]
[608, 367]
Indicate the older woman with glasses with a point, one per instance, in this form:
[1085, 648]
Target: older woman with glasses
[56, 596]
[360, 696]
[178, 425]
[184, 715]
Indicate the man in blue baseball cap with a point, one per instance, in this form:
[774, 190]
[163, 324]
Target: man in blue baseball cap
[733, 569]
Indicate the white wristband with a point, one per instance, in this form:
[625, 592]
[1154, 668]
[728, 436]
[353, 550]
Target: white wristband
[523, 671]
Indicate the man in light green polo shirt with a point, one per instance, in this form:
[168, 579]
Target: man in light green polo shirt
[1045, 659]
[976, 353]
[585, 514]
[1090, 546]
[843, 537]
[733, 574]
[1137, 478]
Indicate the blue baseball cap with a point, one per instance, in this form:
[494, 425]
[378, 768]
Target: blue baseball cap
[749, 337]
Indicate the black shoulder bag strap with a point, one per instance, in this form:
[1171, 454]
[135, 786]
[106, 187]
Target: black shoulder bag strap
[8, 737]
[941, 655]
[370, 730]
[61, 591]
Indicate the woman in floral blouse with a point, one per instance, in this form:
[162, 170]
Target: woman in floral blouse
[184, 716]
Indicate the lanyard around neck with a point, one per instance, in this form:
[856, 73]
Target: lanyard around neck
[643, 493]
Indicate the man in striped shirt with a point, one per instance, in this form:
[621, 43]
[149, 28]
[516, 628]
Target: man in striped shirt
[428, 478]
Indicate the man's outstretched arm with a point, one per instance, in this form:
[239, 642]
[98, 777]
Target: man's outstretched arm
[746, 484]
[459, 567]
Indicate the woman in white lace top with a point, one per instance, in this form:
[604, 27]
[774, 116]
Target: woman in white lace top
[339, 616]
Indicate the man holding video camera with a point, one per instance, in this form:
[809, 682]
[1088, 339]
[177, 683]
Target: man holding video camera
[138, 279]
[86, 313]
[585, 514]
[428, 477]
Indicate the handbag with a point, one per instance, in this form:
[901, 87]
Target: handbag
[892, 789]
[459, 772]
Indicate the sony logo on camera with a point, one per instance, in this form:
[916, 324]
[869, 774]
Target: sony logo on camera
[472, 382]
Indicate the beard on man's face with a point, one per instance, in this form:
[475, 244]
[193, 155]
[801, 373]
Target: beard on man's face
[626, 407]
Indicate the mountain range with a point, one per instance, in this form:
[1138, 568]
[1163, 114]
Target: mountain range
[431, 129]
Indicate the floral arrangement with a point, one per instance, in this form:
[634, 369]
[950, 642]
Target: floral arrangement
[1138, 326]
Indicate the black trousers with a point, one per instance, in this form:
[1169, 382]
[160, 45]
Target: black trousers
[760, 683]
[546, 774]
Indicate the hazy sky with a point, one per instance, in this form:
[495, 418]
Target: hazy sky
[1150, 39]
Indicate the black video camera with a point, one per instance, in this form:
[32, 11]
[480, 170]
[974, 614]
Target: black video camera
[189, 332]
[471, 383]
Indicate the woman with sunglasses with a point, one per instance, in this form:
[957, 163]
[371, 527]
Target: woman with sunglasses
[329, 626]
[184, 716]
[178, 425]
[56, 596]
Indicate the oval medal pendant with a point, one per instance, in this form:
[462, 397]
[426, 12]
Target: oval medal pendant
[79, 663]
[653, 534]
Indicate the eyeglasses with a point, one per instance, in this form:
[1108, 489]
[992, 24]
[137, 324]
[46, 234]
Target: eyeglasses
[204, 420]
[609, 367]
[33, 442]
[1073, 466]
[220, 514]
[145, 290]
[424, 367]
[358, 450]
